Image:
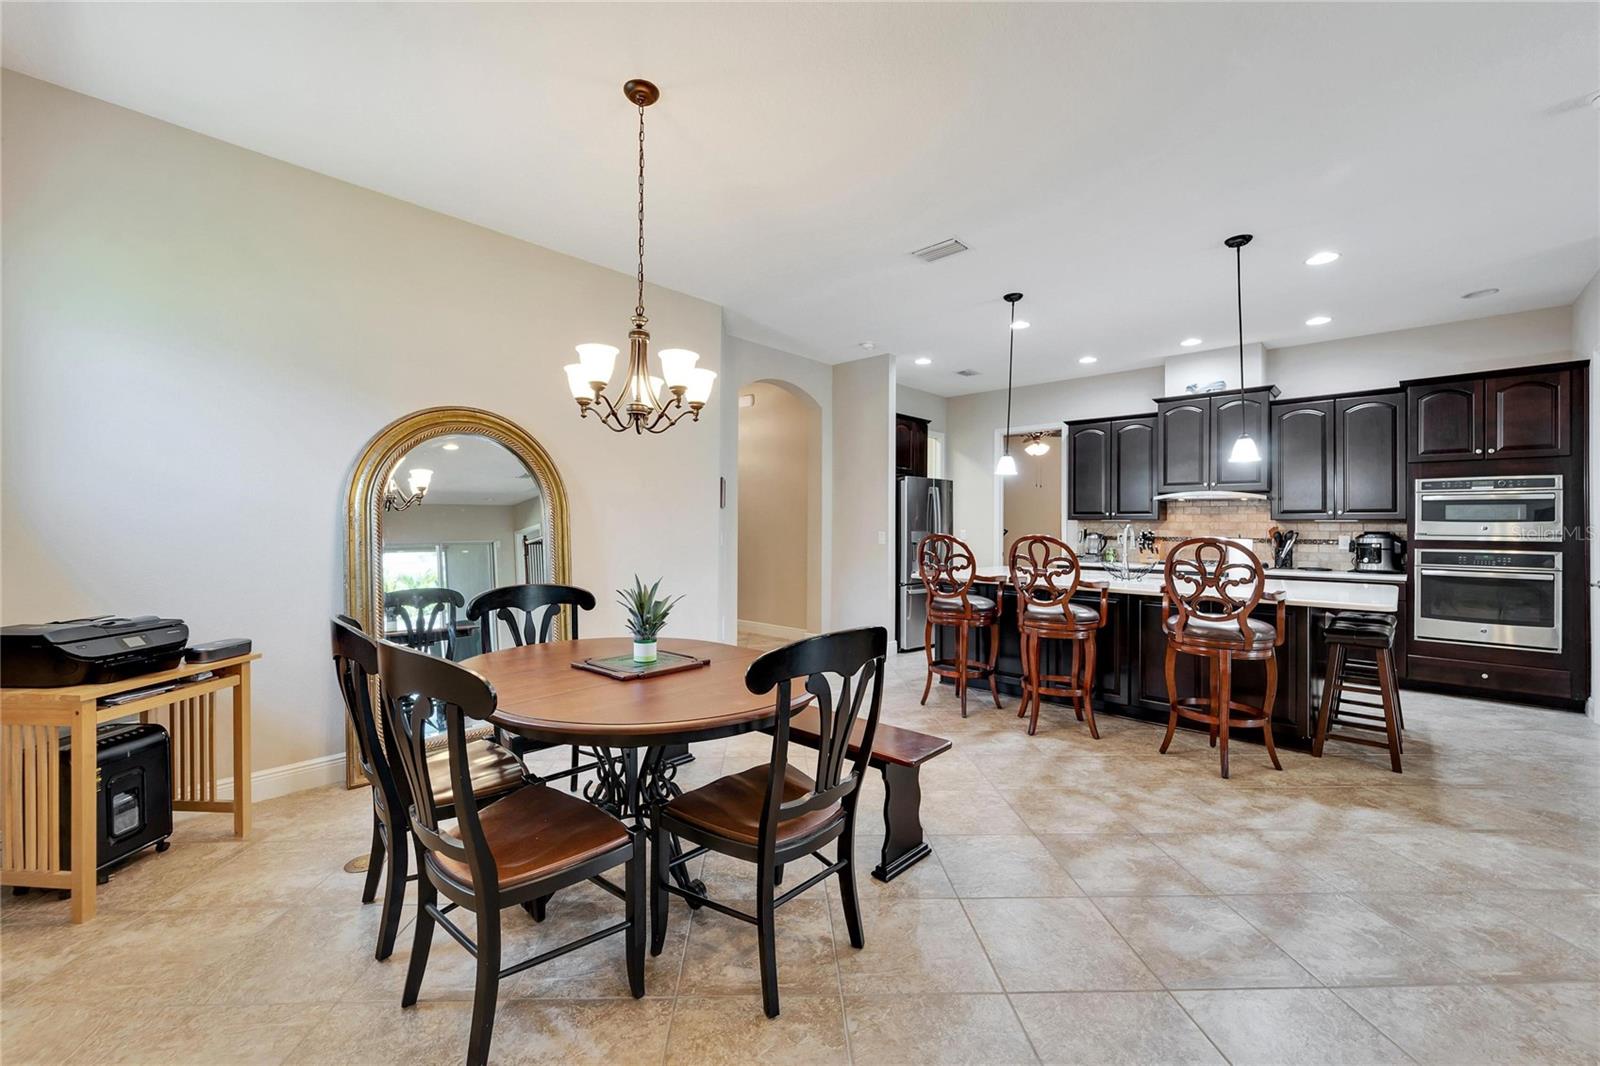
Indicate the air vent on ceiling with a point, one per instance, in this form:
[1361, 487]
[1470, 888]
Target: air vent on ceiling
[968, 373]
[942, 250]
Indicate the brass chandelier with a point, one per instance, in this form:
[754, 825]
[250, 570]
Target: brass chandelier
[648, 404]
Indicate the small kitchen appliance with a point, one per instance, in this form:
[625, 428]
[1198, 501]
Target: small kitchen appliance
[1489, 508]
[1376, 551]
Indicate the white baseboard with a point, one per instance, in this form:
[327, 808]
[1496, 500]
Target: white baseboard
[766, 629]
[278, 781]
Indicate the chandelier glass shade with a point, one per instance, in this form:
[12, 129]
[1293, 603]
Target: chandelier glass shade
[1037, 445]
[643, 402]
[418, 479]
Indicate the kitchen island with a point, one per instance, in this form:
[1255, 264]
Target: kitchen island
[1131, 649]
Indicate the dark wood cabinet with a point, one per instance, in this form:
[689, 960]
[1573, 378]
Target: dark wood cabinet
[1194, 436]
[1446, 420]
[1089, 475]
[1133, 468]
[1340, 459]
[910, 446]
[1302, 454]
[1525, 414]
[1111, 468]
[1370, 466]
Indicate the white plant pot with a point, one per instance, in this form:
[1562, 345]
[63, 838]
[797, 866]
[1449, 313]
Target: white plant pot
[644, 651]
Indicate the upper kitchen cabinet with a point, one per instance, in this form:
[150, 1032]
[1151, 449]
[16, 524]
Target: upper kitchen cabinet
[1195, 434]
[1112, 468]
[1370, 467]
[910, 446]
[1523, 414]
[1133, 468]
[1339, 459]
[1088, 470]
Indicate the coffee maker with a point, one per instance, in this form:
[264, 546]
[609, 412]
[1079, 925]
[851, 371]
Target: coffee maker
[1378, 552]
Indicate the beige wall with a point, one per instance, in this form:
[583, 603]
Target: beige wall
[199, 340]
[436, 523]
[863, 488]
[1032, 499]
[780, 508]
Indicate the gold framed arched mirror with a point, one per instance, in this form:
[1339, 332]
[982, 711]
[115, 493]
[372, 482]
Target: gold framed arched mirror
[491, 511]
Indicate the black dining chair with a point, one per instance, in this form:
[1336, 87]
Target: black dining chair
[538, 606]
[494, 770]
[520, 848]
[776, 814]
[424, 618]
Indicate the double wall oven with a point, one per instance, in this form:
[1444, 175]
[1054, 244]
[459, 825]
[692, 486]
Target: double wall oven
[1504, 590]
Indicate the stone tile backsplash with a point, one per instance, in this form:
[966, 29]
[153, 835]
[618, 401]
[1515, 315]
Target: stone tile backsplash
[1321, 544]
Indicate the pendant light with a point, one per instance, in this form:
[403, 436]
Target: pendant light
[1007, 466]
[1244, 449]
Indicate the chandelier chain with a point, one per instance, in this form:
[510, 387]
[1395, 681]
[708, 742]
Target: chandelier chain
[638, 309]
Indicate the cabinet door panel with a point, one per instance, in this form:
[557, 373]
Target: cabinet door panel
[1445, 421]
[1527, 415]
[1302, 460]
[1133, 468]
[1089, 451]
[1183, 445]
[1230, 416]
[1370, 474]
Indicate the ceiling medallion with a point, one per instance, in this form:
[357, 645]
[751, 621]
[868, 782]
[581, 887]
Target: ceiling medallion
[648, 404]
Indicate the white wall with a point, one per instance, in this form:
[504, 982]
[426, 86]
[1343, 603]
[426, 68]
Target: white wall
[780, 505]
[863, 487]
[919, 404]
[199, 340]
[744, 362]
[439, 523]
[1380, 360]
[1586, 345]
[1215, 364]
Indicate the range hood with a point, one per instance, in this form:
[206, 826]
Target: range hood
[1213, 494]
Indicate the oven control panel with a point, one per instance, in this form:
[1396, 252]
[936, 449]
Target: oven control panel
[1486, 484]
[1482, 560]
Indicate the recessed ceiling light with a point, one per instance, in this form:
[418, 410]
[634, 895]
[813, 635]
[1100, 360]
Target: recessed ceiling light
[922, 360]
[866, 345]
[1321, 259]
[1318, 320]
[1019, 324]
[1476, 293]
[1088, 359]
[450, 446]
[1190, 342]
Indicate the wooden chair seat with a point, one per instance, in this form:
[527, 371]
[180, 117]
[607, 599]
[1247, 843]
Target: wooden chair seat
[730, 806]
[495, 771]
[538, 832]
[1223, 634]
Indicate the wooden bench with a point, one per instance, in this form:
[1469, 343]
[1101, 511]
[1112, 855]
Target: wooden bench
[899, 754]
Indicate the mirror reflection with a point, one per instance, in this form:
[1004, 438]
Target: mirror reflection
[462, 515]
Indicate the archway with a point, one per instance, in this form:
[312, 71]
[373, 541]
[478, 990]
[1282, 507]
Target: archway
[780, 512]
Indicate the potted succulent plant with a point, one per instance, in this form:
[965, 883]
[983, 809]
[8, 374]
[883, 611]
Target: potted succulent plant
[647, 616]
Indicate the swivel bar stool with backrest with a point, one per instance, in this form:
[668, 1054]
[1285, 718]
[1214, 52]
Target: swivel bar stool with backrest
[495, 772]
[541, 604]
[1046, 575]
[1211, 586]
[520, 848]
[947, 570]
[776, 814]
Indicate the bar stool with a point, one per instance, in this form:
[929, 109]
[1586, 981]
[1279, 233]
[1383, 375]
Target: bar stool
[947, 570]
[1209, 590]
[1046, 575]
[1372, 632]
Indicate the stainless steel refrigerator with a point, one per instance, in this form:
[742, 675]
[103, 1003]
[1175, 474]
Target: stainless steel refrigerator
[924, 506]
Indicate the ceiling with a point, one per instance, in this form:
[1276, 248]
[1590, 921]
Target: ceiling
[1092, 156]
[477, 471]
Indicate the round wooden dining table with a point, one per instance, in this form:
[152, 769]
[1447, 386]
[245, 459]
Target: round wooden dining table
[541, 695]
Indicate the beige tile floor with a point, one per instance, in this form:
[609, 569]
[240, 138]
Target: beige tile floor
[1087, 901]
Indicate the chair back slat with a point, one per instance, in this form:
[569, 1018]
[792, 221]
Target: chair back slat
[414, 686]
[1045, 572]
[544, 603]
[426, 617]
[946, 567]
[355, 665]
[1212, 580]
[856, 658]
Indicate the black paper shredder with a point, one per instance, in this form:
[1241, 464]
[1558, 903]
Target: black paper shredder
[133, 793]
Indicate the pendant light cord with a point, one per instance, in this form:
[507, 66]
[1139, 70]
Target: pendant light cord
[1238, 290]
[638, 310]
[1011, 356]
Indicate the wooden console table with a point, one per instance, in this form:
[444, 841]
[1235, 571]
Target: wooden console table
[30, 800]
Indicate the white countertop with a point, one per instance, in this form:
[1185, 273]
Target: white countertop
[1345, 595]
[1369, 576]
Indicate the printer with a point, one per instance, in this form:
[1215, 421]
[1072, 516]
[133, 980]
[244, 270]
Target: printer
[89, 651]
